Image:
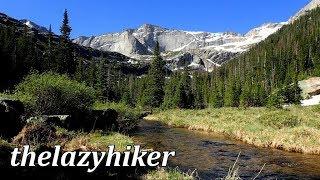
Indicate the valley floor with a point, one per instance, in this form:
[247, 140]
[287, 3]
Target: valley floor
[294, 129]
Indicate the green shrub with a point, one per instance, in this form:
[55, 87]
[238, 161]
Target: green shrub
[51, 93]
[289, 94]
[275, 99]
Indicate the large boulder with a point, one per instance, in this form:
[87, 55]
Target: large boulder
[105, 120]
[56, 120]
[310, 87]
[11, 112]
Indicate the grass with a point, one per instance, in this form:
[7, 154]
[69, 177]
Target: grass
[5, 143]
[295, 129]
[161, 174]
[98, 141]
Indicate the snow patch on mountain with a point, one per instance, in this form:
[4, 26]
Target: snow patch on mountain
[212, 49]
[33, 25]
[312, 5]
[186, 48]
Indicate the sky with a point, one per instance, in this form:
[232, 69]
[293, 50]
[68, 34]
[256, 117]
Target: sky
[97, 17]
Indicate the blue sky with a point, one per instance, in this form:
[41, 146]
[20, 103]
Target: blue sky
[100, 16]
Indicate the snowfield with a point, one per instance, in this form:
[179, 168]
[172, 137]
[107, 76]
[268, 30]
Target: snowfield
[314, 100]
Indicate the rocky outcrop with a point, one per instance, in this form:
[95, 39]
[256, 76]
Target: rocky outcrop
[215, 47]
[33, 25]
[105, 120]
[94, 120]
[56, 120]
[310, 87]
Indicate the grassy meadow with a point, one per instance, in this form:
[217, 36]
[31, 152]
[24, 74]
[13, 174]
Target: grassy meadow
[98, 142]
[295, 129]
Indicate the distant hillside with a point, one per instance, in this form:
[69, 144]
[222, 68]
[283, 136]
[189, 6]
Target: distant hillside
[291, 54]
[23, 46]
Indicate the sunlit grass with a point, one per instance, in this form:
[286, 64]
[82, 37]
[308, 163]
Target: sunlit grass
[98, 142]
[294, 129]
[162, 174]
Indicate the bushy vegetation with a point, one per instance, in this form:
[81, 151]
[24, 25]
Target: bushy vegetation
[51, 93]
[36, 135]
[294, 129]
[161, 174]
[289, 94]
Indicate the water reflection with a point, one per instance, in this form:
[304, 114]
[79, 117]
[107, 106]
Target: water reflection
[212, 155]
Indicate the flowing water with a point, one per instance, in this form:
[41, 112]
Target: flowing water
[212, 155]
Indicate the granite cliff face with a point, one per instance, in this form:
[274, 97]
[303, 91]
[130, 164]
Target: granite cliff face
[208, 49]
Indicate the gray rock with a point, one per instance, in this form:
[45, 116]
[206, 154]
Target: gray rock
[57, 120]
[180, 47]
[310, 87]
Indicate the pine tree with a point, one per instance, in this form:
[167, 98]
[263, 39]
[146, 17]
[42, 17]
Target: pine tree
[183, 94]
[8, 58]
[231, 94]
[245, 97]
[79, 74]
[154, 93]
[65, 56]
[170, 100]
[197, 90]
[49, 63]
[216, 96]
[65, 29]
[25, 54]
[128, 92]
[104, 80]
[91, 75]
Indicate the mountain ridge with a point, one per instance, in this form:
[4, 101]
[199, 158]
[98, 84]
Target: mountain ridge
[189, 47]
[192, 47]
[311, 5]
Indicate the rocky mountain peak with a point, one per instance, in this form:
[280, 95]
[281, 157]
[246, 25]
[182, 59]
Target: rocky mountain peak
[178, 45]
[265, 29]
[311, 5]
[33, 25]
[150, 28]
[188, 47]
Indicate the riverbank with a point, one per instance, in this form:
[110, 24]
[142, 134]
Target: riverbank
[294, 129]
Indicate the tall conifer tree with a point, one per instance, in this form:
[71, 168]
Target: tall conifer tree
[154, 92]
